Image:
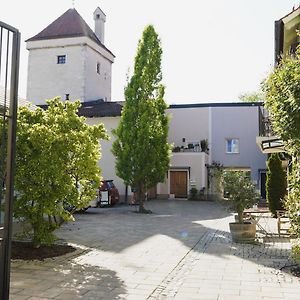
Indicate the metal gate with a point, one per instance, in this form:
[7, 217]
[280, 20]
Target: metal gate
[9, 73]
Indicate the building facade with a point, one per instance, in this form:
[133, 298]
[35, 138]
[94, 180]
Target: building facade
[69, 60]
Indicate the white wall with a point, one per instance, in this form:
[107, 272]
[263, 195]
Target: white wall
[196, 161]
[47, 79]
[107, 161]
[241, 123]
[97, 86]
[189, 123]
[77, 77]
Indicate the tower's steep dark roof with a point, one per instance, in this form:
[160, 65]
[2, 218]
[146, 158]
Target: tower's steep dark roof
[69, 24]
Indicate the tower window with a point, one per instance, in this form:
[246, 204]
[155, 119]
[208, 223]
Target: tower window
[61, 59]
[98, 68]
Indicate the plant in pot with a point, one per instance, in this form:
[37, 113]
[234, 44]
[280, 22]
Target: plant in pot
[241, 194]
[193, 194]
[176, 149]
[204, 145]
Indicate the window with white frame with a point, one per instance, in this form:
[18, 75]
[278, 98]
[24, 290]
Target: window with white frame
[232, 146]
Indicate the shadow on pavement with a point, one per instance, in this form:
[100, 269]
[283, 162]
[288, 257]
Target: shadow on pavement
[66, 281]
[118, 229]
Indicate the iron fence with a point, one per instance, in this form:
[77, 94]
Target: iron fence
[9, 73]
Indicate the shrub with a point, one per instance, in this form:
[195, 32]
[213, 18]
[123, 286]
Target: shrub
[275, 184]
[291, 201]
[193, 194]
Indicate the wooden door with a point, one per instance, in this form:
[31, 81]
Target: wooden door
[178, 184]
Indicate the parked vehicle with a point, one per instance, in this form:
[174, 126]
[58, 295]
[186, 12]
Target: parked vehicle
[108, 193]
[72, 208]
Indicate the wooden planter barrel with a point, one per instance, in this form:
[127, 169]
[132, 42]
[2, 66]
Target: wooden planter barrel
[242, 233]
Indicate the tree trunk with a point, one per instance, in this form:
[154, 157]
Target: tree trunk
[141, 199]
[35, 240]
[240, 217]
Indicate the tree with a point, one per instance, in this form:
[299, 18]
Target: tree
[282, 90]
[252, 97]
[275, 183]
[240, 190]
[141, 148]
[56, 163]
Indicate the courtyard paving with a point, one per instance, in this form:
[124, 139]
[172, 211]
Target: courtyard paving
[181, 251]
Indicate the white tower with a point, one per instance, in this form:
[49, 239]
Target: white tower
[69, 60]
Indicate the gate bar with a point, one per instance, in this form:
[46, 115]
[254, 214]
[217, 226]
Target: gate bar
[11, 149]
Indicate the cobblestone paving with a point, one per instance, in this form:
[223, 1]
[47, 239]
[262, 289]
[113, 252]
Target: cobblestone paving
[253, 271]
[182, 251]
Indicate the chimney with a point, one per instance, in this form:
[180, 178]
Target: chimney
[100, 18]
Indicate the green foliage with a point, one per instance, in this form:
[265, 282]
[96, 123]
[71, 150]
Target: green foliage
[56, 163]
[141, 148]
[275, 183]
[204, 145]
[3, 140]
[252, 97]
[291, 201]
[241, 191]
[296, 253]
[282, 89]
[193, 194]
[215, 173]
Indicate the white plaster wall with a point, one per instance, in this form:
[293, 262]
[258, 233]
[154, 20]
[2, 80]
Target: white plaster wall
[107, 161]
[47, 79]
[241, 123]
[189, 123]
[163, 188]
[77, 77]
[98, 86]
[196, 161]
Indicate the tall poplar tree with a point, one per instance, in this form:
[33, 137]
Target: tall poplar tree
[141, 148]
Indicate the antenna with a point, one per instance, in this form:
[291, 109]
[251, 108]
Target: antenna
[73, 3]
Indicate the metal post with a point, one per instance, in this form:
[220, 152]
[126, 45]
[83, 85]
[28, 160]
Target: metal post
[11, 146]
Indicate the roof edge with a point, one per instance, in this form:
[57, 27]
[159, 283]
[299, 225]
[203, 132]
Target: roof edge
[217, 104]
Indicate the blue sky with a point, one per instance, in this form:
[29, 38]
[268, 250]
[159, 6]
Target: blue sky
[213, 50]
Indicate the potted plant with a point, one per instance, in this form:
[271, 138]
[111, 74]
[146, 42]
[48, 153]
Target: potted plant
[176, 149]
[204, 145]
[241, 194]
[193, 194]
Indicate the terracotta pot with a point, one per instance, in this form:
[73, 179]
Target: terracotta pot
[242, 233]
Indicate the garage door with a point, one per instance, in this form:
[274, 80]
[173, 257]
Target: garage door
[178, 184]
